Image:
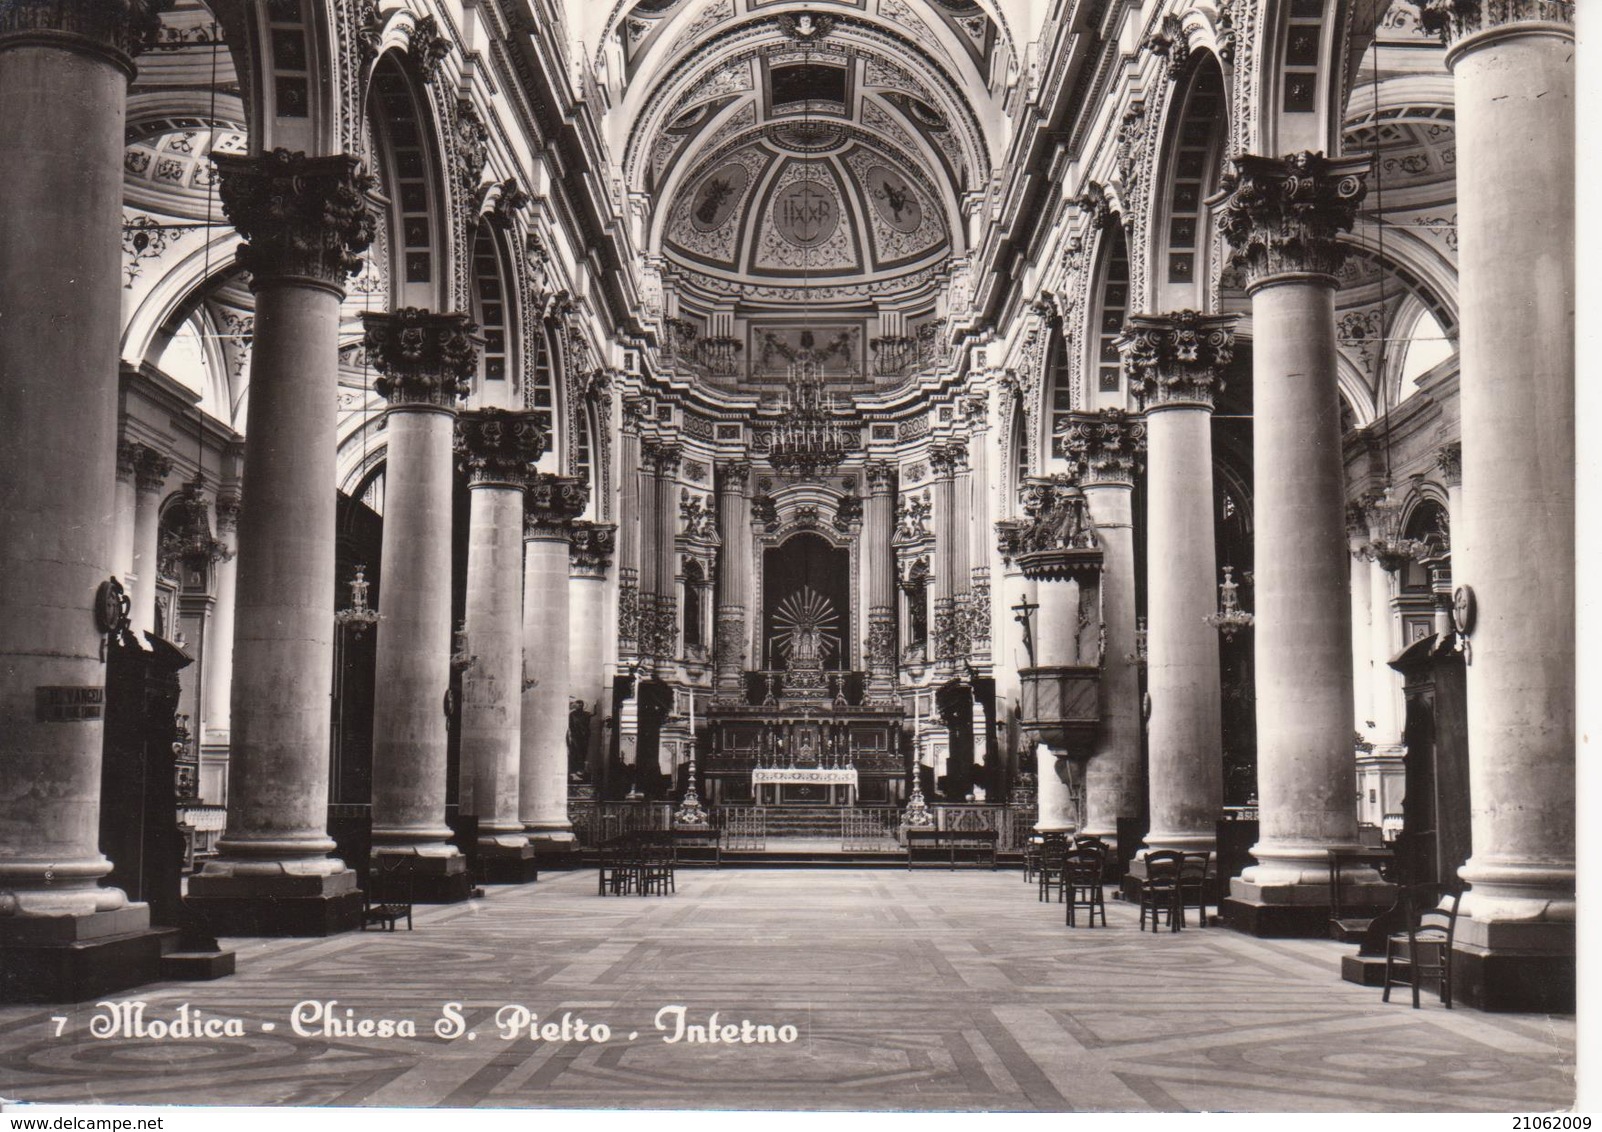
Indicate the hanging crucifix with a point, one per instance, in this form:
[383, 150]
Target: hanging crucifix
[1024, 614]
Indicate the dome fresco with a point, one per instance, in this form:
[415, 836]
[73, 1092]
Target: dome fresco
[760, 209]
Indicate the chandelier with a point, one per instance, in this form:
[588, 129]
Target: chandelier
[1386, 544]
[1230, 618]
[808, 440]
[360, 617]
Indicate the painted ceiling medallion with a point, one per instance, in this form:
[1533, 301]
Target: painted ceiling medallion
[806, 213]
[718, 197]
[893, 197]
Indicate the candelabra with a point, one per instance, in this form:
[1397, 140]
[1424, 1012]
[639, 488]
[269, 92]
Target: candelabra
[690, 811]
[1386, 545]
[360, 617]
[1230, 618]
[1138, 657]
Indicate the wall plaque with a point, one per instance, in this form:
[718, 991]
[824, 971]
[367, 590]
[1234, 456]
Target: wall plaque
[62, 704]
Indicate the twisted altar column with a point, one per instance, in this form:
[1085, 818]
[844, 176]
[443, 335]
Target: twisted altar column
[64, 74]
[667, 458]
[499, 449]
[734, 573]
[946, 460]
[305, 220]
[425, 362]
[880, 562]
[1513, 545]
[1283, 216]
[1108, 447]
[550, 506]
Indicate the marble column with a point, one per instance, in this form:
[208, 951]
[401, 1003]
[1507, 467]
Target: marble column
[550, 506]
[1054, 792]
[946, 460]
[219, 662]
[425, 362]
[150, 481]
[1513, 547]
[630, 529]
[305, 220]
[590, 550]
[1361, 592]
[734, 574]
[879, 559]
[1384, 637]
[1108, 447]
[1175, 364]
[64, 74]
[499, 449]
[1282, 216]
[667, 458]
[122, 549]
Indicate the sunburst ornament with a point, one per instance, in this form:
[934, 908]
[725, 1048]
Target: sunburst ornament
[807, 625]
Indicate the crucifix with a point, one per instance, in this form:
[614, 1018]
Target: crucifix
[1024, 614]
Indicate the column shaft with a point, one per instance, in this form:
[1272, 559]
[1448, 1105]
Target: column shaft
[1112, 778]
[304, 221]
[1513, 543]
[1362, 663]
[61, 137]
[219, 673]
[151, 478]
[552, 504]
[1384, 636]
[1182, 675]
[414, 634]
[492, 695]
[734, 573]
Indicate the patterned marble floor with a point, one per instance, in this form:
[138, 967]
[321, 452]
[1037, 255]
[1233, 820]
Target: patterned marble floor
[930, 990]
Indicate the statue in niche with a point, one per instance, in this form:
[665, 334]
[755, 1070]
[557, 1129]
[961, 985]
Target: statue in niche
[806, 621]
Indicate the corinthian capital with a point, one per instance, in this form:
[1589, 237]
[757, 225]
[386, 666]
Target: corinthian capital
[1178, 358]
[590, 547]
[115, 29]
[499, 447]
[302, 217]
[1282, 215]
[949, 458]
[1456, 20]
[422, 358]
[151, 469]
[881, 476]
[1107, 446]
[551, 504]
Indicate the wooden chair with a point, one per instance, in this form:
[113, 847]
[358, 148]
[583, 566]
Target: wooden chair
[395, 879]
[618, 872]
[656, 869]
[1424, 951]
[1053, 859]
[1031, 861]
[1192, 885]
[1159, 889]
[1082, 879]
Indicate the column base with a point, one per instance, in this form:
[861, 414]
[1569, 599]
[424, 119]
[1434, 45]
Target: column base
[1514, 967]
[281, 905]
[76, 958]
[1298, 911]
[555, 848]
[425, 879]
[507, 864]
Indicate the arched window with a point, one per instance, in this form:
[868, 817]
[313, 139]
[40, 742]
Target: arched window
[489, 309]
[408, 181]
[540, 392]
[1060, 391]
[1020, 448]
[1111, 310]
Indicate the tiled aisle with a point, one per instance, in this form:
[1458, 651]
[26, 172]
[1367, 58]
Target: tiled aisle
[928, 990]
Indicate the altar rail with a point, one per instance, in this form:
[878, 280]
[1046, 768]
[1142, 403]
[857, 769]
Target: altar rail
[597, 822]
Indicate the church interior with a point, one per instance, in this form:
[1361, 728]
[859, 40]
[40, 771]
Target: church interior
[474, 458]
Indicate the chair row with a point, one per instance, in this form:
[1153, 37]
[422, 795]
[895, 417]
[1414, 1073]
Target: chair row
[641, 866]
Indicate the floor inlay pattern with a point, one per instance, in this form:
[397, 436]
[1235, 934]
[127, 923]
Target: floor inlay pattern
[926, 990]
